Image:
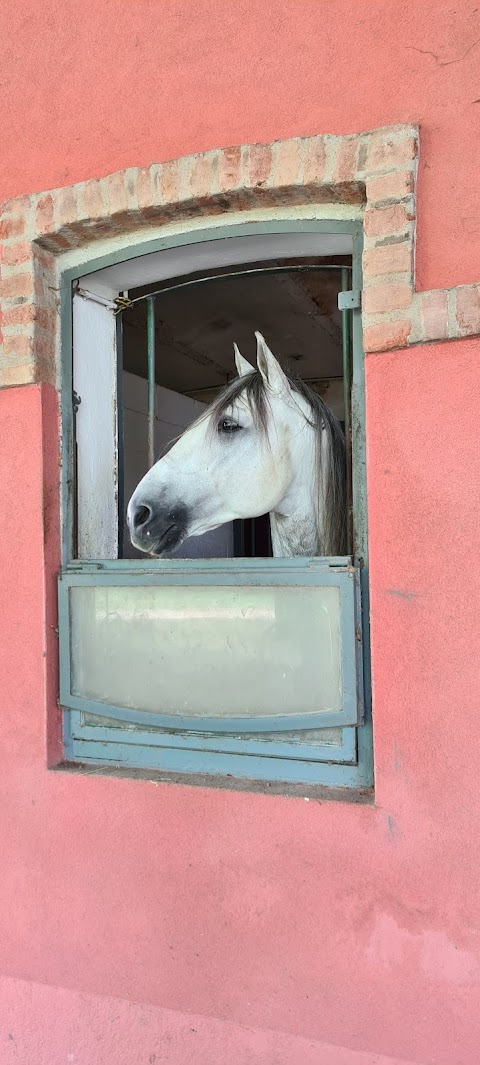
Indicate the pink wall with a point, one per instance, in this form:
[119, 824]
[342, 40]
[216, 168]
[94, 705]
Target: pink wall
[131, 84]
[140, 922]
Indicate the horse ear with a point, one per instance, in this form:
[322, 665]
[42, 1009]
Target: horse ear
[243, 367]
[269, 367]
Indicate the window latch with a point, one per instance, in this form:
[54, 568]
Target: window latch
[349, 300]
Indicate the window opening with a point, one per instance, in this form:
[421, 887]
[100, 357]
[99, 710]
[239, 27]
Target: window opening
[177, 342]
[122, 615]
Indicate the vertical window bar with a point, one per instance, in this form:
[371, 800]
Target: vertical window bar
[347, 392]
[151, 378]
[120, 462]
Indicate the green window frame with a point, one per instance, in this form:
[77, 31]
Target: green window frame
[326, 750]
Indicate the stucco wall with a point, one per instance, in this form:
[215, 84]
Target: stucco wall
[146, 922]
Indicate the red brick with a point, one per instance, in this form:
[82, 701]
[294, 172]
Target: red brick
[287, 170]
[93, 200]
[435, 314]
[144, 188]
[392, 186]
[203, 176]
[383, 221]
[19, 315]
[259, 163]
[379, 299]
[43, 258]
[18, 205]
[44, 214]
[13, 254]
[388, 259]
[229, 169]
[386, 335]
[468, 310]
[44, 347]
[12, 227]
[67, 206]
[168, 183]
[117, 193]
[26, 373]
[315, 161]
[18, 285]
[20, 346]
[346, 160]
[386, 153]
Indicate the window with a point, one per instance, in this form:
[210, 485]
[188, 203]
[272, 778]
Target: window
[220, 659]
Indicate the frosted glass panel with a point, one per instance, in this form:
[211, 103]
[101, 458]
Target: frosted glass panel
[208, 651]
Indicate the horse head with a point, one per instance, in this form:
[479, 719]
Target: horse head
[247, 455]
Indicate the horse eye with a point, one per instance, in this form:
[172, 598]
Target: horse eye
[227, 426]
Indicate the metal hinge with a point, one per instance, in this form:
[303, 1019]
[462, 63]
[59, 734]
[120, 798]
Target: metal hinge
[76, 400]
[350, 300]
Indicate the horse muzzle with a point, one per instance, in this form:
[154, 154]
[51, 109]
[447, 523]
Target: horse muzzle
[157, 530]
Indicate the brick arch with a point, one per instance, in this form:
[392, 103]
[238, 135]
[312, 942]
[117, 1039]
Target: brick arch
[375, 170]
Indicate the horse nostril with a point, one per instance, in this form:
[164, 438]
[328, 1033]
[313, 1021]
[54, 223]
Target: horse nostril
[141, 516]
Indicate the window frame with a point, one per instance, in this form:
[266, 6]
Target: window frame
[350, 765]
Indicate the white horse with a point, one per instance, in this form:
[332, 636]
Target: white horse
[267, 444]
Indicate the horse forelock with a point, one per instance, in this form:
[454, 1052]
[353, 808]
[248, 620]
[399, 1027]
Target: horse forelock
[252, 387]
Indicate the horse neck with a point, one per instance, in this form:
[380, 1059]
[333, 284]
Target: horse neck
[296, 525]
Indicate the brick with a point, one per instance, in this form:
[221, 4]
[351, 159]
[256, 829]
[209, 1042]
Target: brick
[382, 221]
[44, 214]
[386, 335]
[167, 180]
[17, 285]
[18, 205]
[26, 373]
[434, 307]
[259, 163]
[94, 206]
[203, 176]
[25, 313]
[14, 254]
[67, 206]
[346, 160]
[388, 259]
[379, 299]
[394, 186]
[229, 169]
[12, 227]
[44, 347]
[43, 258]
[18, 345]
[117, 193]
[144, 188]
[468, 310]
[19, 315]
[315, 161]
[288, 163]
[386, 153]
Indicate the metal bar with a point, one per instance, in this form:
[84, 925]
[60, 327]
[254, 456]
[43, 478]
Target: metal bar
[120, 461]
[347, 387]
[228, 276]
[151, 379]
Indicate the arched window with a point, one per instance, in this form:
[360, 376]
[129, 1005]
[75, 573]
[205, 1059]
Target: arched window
[219, 659]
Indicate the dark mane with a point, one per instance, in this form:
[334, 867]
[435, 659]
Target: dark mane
[330, 447]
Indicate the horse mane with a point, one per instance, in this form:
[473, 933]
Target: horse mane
[330, 445]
